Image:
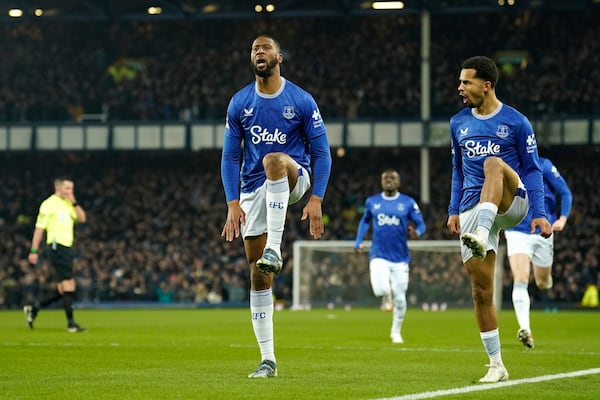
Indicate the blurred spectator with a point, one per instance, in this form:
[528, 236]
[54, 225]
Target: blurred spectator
[590, 296]
[164, 293]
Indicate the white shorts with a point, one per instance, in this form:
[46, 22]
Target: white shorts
[254, 204]
[539, 249]
[388, 276]
[512, 217]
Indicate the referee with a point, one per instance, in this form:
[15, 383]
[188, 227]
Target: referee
[57, 217]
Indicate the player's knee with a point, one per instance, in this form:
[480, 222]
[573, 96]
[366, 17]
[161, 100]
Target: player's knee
[400, 302]
[542, 283]
[67, 285]
[492, 165]
[273, 162]
[482, 295]
[381, 290]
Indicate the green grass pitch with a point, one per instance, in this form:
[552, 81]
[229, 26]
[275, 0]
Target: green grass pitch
[321, 354]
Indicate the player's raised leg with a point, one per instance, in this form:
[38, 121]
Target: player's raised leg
[499, 188]
[379, 273]
[278, 166]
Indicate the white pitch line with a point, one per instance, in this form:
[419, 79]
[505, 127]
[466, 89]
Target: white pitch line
[419, 349]
[479, 388]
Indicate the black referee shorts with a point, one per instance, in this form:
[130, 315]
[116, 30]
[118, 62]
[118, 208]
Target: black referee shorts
[61, 258]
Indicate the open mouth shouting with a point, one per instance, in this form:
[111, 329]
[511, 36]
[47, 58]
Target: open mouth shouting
[263, 67]
[260, 63]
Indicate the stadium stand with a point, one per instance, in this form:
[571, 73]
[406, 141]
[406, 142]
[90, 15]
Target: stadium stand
[356, 67]
[155, 221]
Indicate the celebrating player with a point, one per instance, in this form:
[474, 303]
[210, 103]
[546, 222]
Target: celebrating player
[493, 146]
[282, 132]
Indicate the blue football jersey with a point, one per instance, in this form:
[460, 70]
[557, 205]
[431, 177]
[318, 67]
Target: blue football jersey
[507, 134]
[288, 121]
[554, 184]
[390, 218]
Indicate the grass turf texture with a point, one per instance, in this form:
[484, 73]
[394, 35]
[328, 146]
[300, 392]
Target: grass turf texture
[321, 354]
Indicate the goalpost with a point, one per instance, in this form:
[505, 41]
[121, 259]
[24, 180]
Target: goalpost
[330, 273]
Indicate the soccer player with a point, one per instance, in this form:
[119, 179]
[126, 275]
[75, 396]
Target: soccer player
[393, 216]
[493, 147]
[525, 248]
[282, 133]
[56, 218]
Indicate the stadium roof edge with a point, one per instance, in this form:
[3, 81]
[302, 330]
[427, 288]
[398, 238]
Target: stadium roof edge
[115, 10]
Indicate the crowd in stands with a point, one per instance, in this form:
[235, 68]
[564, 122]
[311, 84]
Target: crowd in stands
[155, 219]
[356, 67]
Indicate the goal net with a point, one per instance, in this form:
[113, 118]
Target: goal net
[330, 273]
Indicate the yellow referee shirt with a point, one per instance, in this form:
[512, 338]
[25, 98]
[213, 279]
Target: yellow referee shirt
[57, 217]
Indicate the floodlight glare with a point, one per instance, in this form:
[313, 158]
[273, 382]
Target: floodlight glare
[15, 13]
[388, 5]
[154, 10]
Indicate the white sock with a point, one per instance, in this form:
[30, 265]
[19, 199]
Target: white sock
[485, 218]
[261, 307]
[521, 303]
[491, 343]
[399, 312]
[278, 194]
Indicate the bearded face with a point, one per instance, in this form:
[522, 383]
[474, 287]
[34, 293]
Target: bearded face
[263, 67]
[265, 56]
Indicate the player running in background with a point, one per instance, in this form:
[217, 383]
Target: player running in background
[490, 143]
[282, 133]
[525, 248]
[391, 215]
[56, 218]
